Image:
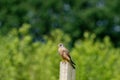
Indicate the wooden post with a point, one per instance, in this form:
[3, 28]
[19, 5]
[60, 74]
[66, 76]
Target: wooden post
[66, 71]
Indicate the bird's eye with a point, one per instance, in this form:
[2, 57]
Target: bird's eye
[60, 45]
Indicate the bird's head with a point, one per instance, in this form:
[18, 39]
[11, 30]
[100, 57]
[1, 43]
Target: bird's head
[60, 45]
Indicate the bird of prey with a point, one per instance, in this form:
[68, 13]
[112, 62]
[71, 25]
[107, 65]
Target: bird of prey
[64, 53]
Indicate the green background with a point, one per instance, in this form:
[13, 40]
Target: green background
[30, 31]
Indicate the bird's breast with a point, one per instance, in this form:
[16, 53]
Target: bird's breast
[60, 51]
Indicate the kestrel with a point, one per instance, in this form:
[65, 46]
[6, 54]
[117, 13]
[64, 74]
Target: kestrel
[64, 53]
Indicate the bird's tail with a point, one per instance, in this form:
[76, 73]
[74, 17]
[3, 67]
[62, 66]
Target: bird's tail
[72, 64]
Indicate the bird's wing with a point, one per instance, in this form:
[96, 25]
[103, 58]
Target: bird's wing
[65, 50]
[66, 57]
[66, 54]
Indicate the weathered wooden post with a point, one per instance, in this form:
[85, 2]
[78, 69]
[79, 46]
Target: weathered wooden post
[66, 71]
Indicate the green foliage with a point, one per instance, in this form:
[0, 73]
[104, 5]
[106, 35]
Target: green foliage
[74, 17]
[23, 59]
[96, 60]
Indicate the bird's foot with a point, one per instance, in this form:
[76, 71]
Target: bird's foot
[64, 62]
